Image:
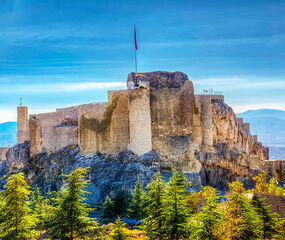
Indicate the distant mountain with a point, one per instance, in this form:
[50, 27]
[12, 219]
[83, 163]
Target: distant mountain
[8, 134]
[269, 125]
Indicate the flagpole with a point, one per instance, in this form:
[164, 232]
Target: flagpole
[136, 64]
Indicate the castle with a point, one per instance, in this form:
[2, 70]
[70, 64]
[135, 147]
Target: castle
[164, 116]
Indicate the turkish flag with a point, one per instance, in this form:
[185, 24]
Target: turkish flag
[136, 46]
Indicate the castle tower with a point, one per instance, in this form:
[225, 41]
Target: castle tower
[23, 124]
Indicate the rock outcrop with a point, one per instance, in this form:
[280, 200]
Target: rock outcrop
[106, 173]
[160, 126]
[237, 155]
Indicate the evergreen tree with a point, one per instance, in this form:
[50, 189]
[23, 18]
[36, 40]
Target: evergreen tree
[121, 203]
[70, 218]
[205, 224]
[153, 224]
[137, 206]
[16, 220]
[176, 211]
[119, 232]
[241, 222]
[39, 207]
[270, 221]
[108, 210]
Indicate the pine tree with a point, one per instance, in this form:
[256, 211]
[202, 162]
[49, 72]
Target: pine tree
[241, 222]
[108, 210]
[204, 224]
[176, 211]
[16, 221]
[153, 224]
[121, 203]
[270, 221]
[70, 218]
[119, 232]
[137, 206]
[38, 207]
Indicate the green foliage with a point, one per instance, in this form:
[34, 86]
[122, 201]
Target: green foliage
[241, 222]
[270, 221]
[121, 203]
[16, 220]
[176, 211]
[117, 206]
[119, 233]
[70, 218]
[205, 224]
[108, 211]
[138, 203]
[153, 224]
[37, 205]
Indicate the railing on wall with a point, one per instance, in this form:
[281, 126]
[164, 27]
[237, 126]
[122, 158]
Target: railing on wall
[211, 91]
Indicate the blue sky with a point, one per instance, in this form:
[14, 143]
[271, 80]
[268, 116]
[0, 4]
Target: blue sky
[60, 53]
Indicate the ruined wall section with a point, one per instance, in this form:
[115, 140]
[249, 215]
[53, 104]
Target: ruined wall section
[22, 124]
[105, 127]
[50, 132]
[172, 111]
[3, 151]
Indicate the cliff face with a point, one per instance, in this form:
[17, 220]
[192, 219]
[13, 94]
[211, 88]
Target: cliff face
[237, 154]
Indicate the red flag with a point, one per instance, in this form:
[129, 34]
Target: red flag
[136, 46]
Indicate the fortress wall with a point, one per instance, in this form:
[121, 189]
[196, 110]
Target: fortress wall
[140, 121]
[35, 136]
[22, 124]
[274, 168]
[3, 151]
[105, 127]
[89, 116]
[218, 97]
[120, 123]
[204, 110]
[240, 120]
[172, 116]
[172, 110]
[197, 128]
[65, 136]
[247, 126]
[276, 203]
[44, 132]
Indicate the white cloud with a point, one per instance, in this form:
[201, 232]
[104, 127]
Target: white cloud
[60, 87]
[8, 116]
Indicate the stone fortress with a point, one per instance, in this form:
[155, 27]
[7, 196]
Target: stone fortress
[189, 131]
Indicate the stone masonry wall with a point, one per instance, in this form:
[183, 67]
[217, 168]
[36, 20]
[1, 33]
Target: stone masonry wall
[3, 151]
[22, 124]
[140, 121]
[46, 130]
[105, 128]
[276, 203]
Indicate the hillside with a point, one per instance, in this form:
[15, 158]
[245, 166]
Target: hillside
[8, 134]
[269, 125]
